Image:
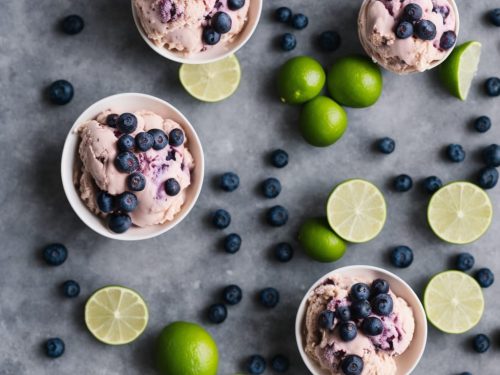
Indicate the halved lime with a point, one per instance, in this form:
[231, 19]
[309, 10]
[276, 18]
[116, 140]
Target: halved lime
[460, 212]
[211, 82]
[459, 69]
[356, 210]
[453, 301]
[116, 315]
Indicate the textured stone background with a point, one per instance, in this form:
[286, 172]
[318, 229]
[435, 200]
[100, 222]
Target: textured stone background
[180, 273]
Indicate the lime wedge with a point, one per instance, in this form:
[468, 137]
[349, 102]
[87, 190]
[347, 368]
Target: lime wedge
[356, 210]
[211, 82]
[459, 69]
[453, 301]
[460, 212]
[116, 315]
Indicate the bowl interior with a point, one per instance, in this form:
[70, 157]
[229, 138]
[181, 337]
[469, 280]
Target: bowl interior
[130, 102]
[405, 362]
[213, 54]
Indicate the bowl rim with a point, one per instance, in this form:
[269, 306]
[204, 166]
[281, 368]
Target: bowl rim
[419, 309]
[68, 166]
[177, 57]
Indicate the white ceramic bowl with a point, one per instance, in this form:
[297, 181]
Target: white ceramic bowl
[130, 102]
[213, 54]
[406, 362]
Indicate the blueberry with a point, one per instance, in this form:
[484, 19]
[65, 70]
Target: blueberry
[229, 181]
[455, 153]
[412, 12]
[343, 313]
[402, 256]
[299, 21]
[136, 181]
[404, 30]
[360, 309]
[448, 40]
[465, 373]
[232, 294]
[71, 289]
[283, 252]
[386, 145]
[352, 365]
[112, 120]
[127, 123]
[277, 216]
[494, 16]
[464, 262]
[235, 4]
[126, 202]
[359, 292]
[61, 92]
[326, 320]
[221, 219]
[126, 143]
[256, 365]
[329, 41]
[217, 313]
[271, 187]
[119, 223]
[221, 22]
[491, 155]
[348, 331]
[172, 187]
[105, 202]
[279, 158]
[283, 14]
[160, 139]
[481, 343]
[482, 124]
[402, 183]
[488, 178]
[280, 363]
[492, 86]
[288, 42]
[232, 243]
[269, 297]
[72, 24]
[55, 254]
[372, 326]
[144, 141]
[54, 347]
[379, 286]
[425, 30]
[382, 304]
[210, 36]
[176, 137]
[432, 184]
[485, 277]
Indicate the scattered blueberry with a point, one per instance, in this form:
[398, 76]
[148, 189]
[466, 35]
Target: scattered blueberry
[283, 252]
[482, 124]
[269, 297]
[210, 36]
[221, 22]
[386, 145]
[221, 219]
[160, 139]
[279, 158]
[112, 120]
[382, 304]
[119, 223]
[288, 42]
[448, 40]
[217, 313]
[379, 286]
[488, 178]
[105, 202]
[271, 187]
[71, 288]
[126, 202]
[425, 30]
[329, 41]
[359, 292]
[283, 14]
[232, 243]
[360, 309]
[277, 216]
[55, 254]
[127, 123]
[465, 373]
[481, 343]
[494, 16]
[402, 183]
[372, 326]
[485, 277]
[235, 4]
[432, 184]
[54, 347]
[229, 181]
[280, 363]
[136, 181]
[455, 153]
[352, 365]
[464, 262]
[348, 331]
[492, 86]
[172, 187]
[72, 24]
[176, 137]
[404, 30]
[491, 155]
[326, 320]
[61, 92]
[144, 141]
[401, 256]
[126, 142]
[343, 313]
[232, 294]
[256, 365]
[299, 21]
[412, 12]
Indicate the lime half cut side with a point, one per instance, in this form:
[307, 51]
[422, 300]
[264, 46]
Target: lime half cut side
[356, 210]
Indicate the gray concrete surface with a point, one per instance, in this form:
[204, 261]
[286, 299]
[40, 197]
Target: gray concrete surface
[181, 273]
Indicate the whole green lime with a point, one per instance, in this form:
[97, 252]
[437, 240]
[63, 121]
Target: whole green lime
[300, 79]
[320, 242]
[355, 81]
[322, 121]
[186, 349]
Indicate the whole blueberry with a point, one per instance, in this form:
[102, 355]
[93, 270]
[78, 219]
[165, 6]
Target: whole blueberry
[359, 292]
[372, 326]
[448, 40]
[232, 243]
[126, 202]
[494, 16]
[412, 12]
[485, 277]
[217, 313]
[492, 86]
[299, 21]
[482, 124]
[352, 365]
[425, 30]
[326, 320]
[283, 14]
[271, 187]
[464, 262]
[283, 252]
[455, 153]
[160, 139]
[277, 216]
[112, 120]
[126, 143]
[176, 137]
[343, 313]
[256, 365]
[235, 4]
[348, 331]
[105, 202]
[432, 184]
[382, 304]
[210, 36]
[402, 183]
[465, 373]
[71, 288]
[386, 145]
[54, 347]
[288, 42]
[119, 223]
[360, 309]
[61, 92]
[280, 363]
[404, 30]
[279, 158]
[491, 155]
[136, 181]
[481, 343]
[232, 295]
[172, 187]
[72, 24]
[221, 219]
[55, 254]
[229, 181]
[488, 178]
[144, 141]
[221, 22]
[127, 123]
[329, 41]
[269, 297]
[379, 286]
[402, 256]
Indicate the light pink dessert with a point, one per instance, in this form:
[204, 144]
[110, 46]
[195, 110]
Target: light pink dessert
[178, 24]
[377, 23]
[326, 347]
[98, 173]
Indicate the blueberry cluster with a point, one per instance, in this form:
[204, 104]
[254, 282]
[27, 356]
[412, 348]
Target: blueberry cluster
[220, 23]
[256, 364]
[231, 295]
